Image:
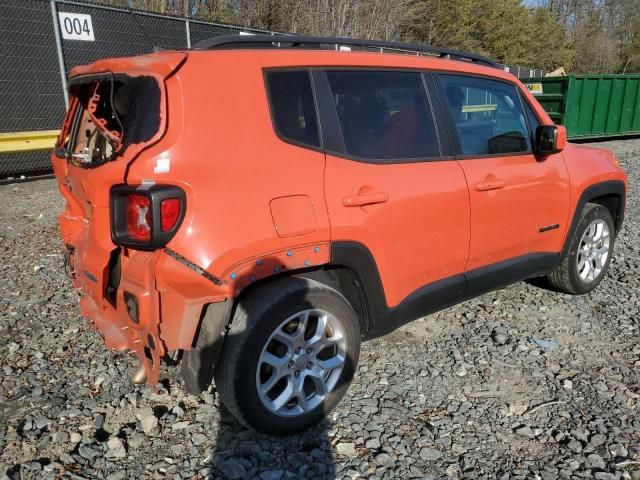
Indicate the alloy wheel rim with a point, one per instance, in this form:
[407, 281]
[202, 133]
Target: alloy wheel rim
[593, 251]
[301, 362]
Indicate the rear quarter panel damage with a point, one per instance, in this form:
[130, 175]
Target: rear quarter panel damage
[229, 230]
[223, 120]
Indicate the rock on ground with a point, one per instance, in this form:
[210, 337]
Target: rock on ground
[462, 393]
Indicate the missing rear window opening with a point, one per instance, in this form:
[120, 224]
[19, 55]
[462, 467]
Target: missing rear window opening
[108, 114]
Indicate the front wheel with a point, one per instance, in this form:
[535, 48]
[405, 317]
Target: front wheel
[583, 266]
[289, 355]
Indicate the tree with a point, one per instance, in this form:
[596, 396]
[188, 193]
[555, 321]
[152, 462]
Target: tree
[441, 23]
[212, 11]
[631, 50]
[506, 31]
[595, 47]
[502, 31]
[585, 36]
[548, 45]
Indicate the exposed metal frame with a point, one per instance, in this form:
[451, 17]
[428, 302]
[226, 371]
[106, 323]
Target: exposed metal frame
[229, 42]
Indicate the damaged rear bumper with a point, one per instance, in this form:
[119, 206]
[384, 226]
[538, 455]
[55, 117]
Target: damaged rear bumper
[155, 306]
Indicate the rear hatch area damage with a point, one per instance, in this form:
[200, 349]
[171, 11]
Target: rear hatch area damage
[112, 112]
[117, 109]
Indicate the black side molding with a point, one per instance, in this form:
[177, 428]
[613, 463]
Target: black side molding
[501, 274]
[381, 319]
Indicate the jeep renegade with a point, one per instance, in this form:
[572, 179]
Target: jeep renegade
[262, 206]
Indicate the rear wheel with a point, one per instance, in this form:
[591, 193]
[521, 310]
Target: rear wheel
[586, 261]
[289, 356]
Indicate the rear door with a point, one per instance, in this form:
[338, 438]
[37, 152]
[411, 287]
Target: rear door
[519, 202]
[389, 182]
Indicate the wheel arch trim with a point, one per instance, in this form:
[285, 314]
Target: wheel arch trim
[615, 188]
[198, 364]
[360, 261]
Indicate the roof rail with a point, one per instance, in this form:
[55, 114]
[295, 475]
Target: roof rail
[230, 42]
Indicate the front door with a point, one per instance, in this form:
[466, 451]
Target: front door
[519, 202]
[386, 183]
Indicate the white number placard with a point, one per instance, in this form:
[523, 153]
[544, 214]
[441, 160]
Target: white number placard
[76, 26]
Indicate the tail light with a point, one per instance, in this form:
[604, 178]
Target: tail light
[169, 213]
[139, 217]
[146, 217]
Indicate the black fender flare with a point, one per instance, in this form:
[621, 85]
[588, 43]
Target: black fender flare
[198, 364]
[608, 188]
[356, 257]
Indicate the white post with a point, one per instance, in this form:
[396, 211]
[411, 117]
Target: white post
[63, 73]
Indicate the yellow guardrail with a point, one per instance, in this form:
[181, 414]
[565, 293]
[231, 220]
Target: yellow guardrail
[479, 108]
[26, 141]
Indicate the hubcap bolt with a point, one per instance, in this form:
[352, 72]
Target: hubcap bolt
[309, 350]
[310, 365]
[290, 363]
[297, 351]
[297, 373]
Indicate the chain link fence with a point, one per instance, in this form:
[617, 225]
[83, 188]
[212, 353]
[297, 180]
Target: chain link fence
[43, 39]
[524, 72]
[31, 96]
[36, 56]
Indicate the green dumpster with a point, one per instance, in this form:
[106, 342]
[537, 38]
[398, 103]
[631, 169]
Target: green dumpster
[591, 106]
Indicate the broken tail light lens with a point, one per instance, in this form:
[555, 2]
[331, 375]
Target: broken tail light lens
[139, 217]
[145, 217]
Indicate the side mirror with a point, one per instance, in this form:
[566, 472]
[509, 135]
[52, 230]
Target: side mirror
[550, 139]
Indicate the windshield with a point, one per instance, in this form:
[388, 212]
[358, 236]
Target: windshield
[107, 114]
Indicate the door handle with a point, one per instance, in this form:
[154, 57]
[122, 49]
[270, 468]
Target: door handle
[364, 199]
[489, 185]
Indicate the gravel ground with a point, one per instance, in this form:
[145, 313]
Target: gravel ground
[462, 393]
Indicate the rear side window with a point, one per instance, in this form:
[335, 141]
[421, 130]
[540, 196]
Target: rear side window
[488, 115]
[292, 106]
[384, 115]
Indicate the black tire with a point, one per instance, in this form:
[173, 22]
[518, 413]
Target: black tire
[256, 317]
[565, 277]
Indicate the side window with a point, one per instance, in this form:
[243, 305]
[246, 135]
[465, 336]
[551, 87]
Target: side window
[534, 122]
[384, 115]
[488, 115]
[292, 106]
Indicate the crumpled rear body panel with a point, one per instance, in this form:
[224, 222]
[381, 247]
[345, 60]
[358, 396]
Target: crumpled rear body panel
[223, 155]
[170, 296]
[85, 228]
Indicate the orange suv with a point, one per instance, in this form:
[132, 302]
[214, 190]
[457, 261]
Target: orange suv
[259, 205]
